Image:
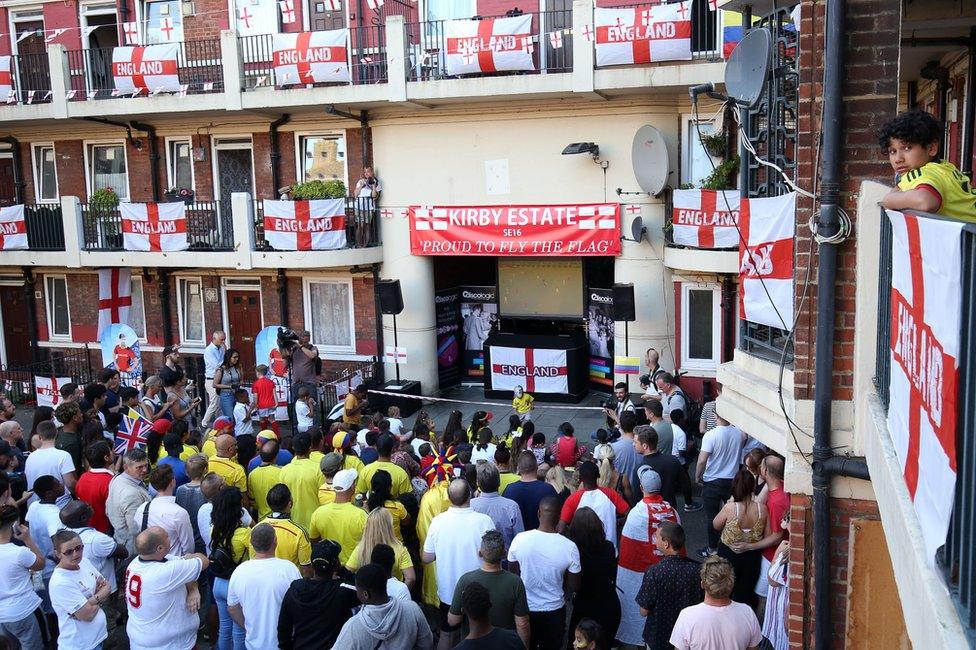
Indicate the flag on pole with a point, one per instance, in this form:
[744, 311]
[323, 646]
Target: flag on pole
[132, 433]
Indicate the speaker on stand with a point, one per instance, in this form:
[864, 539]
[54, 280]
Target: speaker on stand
[624, 310]
[391, 303]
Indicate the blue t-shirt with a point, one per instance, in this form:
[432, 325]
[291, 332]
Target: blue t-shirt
[369, 455]
[528, 495]
[284, 457]
[179, 469]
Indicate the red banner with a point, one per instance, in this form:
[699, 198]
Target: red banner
[586, 229]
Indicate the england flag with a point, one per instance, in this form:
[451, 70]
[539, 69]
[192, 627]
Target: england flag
[305, 225]
[154, 226]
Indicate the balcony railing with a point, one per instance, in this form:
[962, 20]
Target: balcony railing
[882, 361]
[199, 64]
[367, 59]
[362, 224]
[427, 46]
[45, 228]
[32, 78]
[209, 227]
[706, 29]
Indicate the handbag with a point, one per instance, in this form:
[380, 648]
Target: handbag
[765, 644]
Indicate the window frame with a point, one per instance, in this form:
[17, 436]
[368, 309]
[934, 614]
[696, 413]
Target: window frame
[144, 335]
[48, 306]
[90, 171]
[306, 302]
[699, 365]
[35, 168]
[201, 342]
[424, 6]
[170, 169]
[144, 22]
[300, 137]
[689, 136]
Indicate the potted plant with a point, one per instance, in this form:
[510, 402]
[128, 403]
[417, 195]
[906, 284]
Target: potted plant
[312, 190]
[715, 143]
[103, 205]
[177, 194]
[722, 177]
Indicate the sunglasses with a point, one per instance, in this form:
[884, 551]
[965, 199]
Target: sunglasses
[73, 550]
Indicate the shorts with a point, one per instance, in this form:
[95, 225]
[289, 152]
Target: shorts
[264, 414]
[762, 584]
[445, 626]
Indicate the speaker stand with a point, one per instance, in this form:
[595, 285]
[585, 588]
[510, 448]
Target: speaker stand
[396, 350]
[627, 351]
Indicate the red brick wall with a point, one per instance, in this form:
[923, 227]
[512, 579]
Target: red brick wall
[363, 291]
[70, 161]
[203, 170]
[27, 172]
[211, 17]
[63, 14]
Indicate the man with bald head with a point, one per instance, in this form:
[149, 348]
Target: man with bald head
[161, 594]
[453, 540]
[224, 465]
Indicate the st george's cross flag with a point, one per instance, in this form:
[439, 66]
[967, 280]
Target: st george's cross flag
[705, 218]
[311, 57]
[133, 432]
[926, 318]
[537, 370]
[6, 76]
[644, 34]
[305, 225]
[48, 389]
[13, 228]
[146, 68]
[154, 227]
[114, 297]
[768, 228]
[488, 45]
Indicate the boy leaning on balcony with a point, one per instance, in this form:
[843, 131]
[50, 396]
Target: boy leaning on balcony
[911, 141]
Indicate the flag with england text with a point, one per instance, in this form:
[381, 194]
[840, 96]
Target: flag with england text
[644, 34]
[768, 228]
[705, 218]
[146, 68]
[305, 225]
[311, 57]
[536, 370]
[154, 227]
[488, 45]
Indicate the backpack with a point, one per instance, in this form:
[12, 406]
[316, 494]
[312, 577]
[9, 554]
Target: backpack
[222, 564]
[693, 411]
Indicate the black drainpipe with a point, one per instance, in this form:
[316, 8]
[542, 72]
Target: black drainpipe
[363, 119]
[283, 297]
[825, 464]
[380, 369]
[275, 152]
[19, 183]
[154, 158]
[162, 290]
[31, 301]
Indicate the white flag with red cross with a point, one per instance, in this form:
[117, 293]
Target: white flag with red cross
[6, 77]
[926, 319]
[287, 11]
[146, 68]
[488, 45]
[705, 218]
[768, 227]
[305, 225]
[47, 389]
[114, 297]
[154, 226]
[536, 370]
[311, 57]
[13, 228]
[643, 34]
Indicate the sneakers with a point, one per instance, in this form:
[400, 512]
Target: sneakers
[693, 507]
[705, 552]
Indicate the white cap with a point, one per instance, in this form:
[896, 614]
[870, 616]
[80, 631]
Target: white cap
[344, 480]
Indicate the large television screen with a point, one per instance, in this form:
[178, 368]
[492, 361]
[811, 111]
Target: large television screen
[538, 288]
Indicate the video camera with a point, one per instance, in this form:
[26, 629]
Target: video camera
[287, 338]
[645, 380]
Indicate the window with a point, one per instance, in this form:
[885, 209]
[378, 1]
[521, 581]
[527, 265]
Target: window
[58, 316]
[137, 312]
[696, 163]
[329, 312]
[108, 169]
[190, 296]
[323, 158]
[701, 327]
[45, 174]
[179, 160]
[164, 22]
[450, 9]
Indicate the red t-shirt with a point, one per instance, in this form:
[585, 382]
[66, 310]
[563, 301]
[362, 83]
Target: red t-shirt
[573, 500]
[777, 503]
[264, 390]
[92, 488]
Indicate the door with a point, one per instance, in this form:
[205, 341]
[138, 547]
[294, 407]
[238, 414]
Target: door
[244, 323]
[321, 18]
[234, 174]
[32, 64]
[16, 339]
[103, 38]
[8, 195]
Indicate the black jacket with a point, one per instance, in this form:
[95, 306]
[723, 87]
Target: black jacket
[313, 612]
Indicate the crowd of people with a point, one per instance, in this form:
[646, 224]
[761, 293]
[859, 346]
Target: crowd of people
[367, 532]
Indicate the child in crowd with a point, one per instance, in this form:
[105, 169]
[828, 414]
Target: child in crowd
[221, 426]
[514, 431]
[129, 397]
[304, 409]
[243, 427]
[523, 403]
[369, 453]
[567, 451]
[538, 449]
[264, 395]
[396, 424]
[589, 635]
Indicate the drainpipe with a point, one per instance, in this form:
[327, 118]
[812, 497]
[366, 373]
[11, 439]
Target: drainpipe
[283, 297]
[154, 158]
[162, 290]
[31, 312]
[380, 369]
[19, 183]
[363, 119]
[275, 152]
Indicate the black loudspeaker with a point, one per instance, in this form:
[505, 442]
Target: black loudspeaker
[623, 303]
[391, 300]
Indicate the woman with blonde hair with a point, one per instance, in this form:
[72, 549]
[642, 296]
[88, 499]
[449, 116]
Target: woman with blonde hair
[604, 456]
[556, 477]
[379, 530]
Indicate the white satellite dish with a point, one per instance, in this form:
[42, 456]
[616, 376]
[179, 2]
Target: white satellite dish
[650, 159]
[748, 67]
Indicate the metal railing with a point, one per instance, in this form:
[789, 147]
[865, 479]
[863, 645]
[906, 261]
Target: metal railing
[209, 227]
[706, 29]
[32, 78]
[882, 361]
[367, 60]
[198, 62]
[362, 224]
[82, 366]
[427, 47]
[45, 227]
[765, 342]
[333, 385]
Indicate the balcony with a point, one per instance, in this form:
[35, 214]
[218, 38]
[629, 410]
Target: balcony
[209, 228]
[45, 229]
[362, 224]
[696, 258]
[31, 75]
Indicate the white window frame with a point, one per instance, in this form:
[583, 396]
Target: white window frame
[22, 14]
[300, 153]
[90, 177]
[143, 25]
[143, 336]
[306, 300]
[423, 6]
[51, 335]
[701, 365]
[689, 136]
[37, 172]
[93, 8]
[170, 180]
[180, 279]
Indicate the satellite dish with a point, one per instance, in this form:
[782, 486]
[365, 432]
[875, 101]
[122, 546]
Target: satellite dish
[748, 67]
[649, 157]
[637, 229]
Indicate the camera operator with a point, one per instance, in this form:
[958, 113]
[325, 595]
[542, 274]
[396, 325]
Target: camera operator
[649, 381]
[367, 194]
[621, 403]
[302, 357]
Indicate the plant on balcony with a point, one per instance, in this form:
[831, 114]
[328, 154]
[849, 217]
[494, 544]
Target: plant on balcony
[722, 177]
[177, 194]
[102, 205]
[103, 200]
[311, 190]
[715, 143]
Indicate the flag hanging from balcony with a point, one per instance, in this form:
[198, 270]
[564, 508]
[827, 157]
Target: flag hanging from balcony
[926, 318]
[114, 297]
[705, 218]
[643, 34]
[154, 227]
[489, 45]
[146, 68]
[13, 228]
[731, 32]
[311, 57]
[767, 228]
[305, 225]
[6, 78]
[47, 389]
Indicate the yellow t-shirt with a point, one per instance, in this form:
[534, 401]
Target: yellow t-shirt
[353, 462]
[188, 450]
[240, 543]
[957, 195]
[342, 522]
[433, 503]
[303, 478]
[506, 479]
[293, 542]
[401, 482]
[349, 404]
[326, 494]
[232, 472]
[399, 514]
[523, 405]
[401, 560]
[261, 479]
[317, 456]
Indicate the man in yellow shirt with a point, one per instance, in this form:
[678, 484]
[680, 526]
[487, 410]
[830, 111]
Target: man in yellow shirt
[354, 405]
[342, 520]
[330, 464]
[303, 478]
[293, 542]
[221, 426]
[384, 447]
[263, 477]
[224, 465]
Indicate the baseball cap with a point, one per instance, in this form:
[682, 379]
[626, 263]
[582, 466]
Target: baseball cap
[162, 426]
[331, 463]
[223, 423]
[266, 435]
[649, 479]
[344, 479]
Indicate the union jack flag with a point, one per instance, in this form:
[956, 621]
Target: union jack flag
[132, 432]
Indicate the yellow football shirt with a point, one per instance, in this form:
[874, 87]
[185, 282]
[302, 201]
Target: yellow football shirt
[317, 456]
[232, 472]
[342, 522]
[303, 478]
[401, 482]
[399, 514]
[240, 543]
[293, 542]
[259, 482]
[523, 405]
[353, 462]
[326, 494]
[953, 188]
[401, 560]
[188, 450]
[433, 503]
[506, 479]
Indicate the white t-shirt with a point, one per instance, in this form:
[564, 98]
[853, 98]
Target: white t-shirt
[242, 423]
[707, 627]
[543, 559]
[488, 454]
[16, 592]
[259, 586]
[98, 550]
[454, 537]
[724, 446]
[303, 414]
[396, 426]
[155, 594]
[48, 462]
[44, 520]
[680, 440]
[205, 523]
[70, 590]
[174, 519]
[397, 590]
[604, 508]
[417, 443]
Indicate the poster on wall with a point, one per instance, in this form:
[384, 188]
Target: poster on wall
[479, 316]
[120, 351]
[448, 317]
[266, 351]
[599, 334]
